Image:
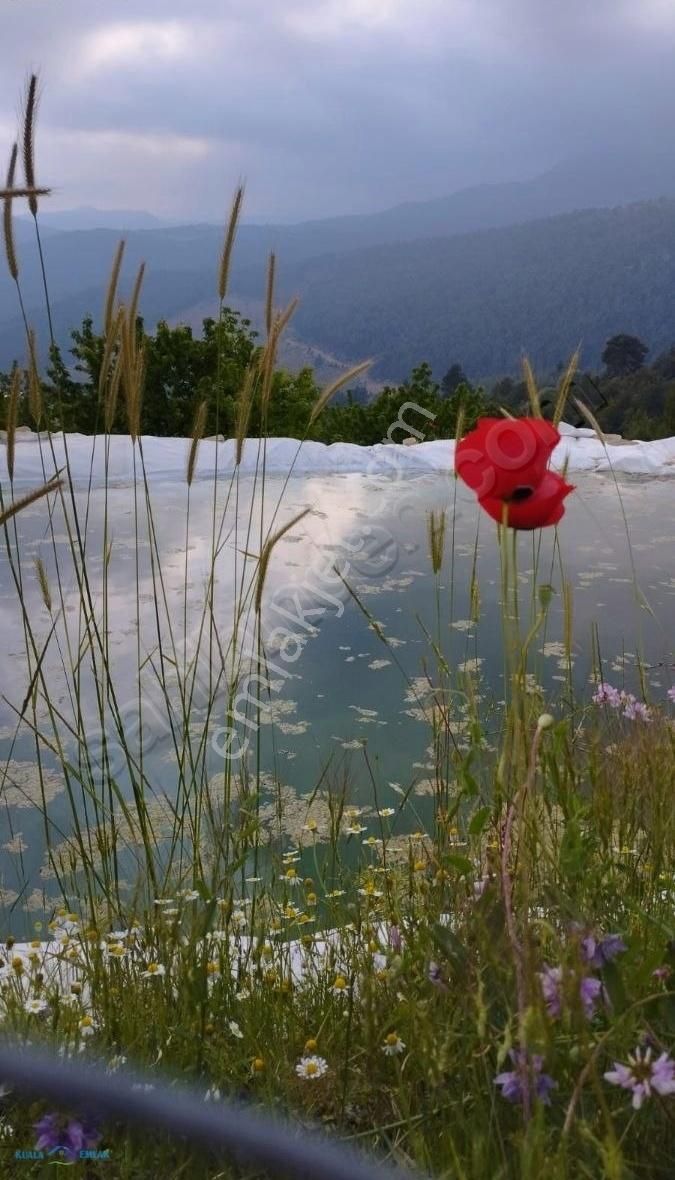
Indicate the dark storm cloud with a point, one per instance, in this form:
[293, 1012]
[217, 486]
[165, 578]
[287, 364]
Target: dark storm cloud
[327, 105]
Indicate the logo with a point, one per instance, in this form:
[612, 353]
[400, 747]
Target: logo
[63, 1157]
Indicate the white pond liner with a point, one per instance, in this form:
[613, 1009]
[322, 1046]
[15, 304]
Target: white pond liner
[165, 459]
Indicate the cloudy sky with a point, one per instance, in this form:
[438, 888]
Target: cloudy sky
[326, 106]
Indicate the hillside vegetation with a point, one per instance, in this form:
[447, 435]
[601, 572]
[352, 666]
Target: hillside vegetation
[183, 371]
[400, 285]
[542, 289]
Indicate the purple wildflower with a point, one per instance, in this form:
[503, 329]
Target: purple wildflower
[590, 991]
[643, 1076]
[671, 695]
[551, 980]
[435, 976]
[526, 1068]
[68, 1140]
[598, 953]
[606, 694]
[662, 973]
[636, 709]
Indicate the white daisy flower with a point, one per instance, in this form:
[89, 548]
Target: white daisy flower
[35, 1006]
[69, 1001]
[153, 969]
[355, 829]
[311, 1068]
[192, 895]
[393, 1045]
[88, 1026]
[16, 966]
[340, 986]
[116, 951]
[164, 901]
[235, 1029]
[385, 812]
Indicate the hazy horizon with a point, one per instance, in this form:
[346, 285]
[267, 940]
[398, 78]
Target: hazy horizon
[52, 205]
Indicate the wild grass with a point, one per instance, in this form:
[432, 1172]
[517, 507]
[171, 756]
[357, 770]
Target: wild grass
[255, 944]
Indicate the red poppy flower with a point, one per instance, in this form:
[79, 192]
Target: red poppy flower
[505, 462]
[531, 508]
[502, 454]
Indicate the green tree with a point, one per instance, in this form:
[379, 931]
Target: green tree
[623, 354]
[180, 373]
[454, 377]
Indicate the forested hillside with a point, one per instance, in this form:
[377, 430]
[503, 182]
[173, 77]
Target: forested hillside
[540, 288]
[185, 371]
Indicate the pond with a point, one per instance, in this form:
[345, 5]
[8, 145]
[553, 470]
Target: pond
[348, 695]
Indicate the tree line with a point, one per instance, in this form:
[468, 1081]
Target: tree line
[184, 371]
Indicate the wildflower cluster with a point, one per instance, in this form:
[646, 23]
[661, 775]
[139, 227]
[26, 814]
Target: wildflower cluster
[619, 699]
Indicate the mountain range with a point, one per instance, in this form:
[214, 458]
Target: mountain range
[578, 253]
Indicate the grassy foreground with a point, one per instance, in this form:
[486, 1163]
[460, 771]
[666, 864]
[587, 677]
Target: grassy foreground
[495, 998]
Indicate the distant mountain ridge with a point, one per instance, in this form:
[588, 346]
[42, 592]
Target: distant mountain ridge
[371, 283]
[86, 217]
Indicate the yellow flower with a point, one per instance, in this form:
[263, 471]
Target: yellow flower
[311, 1046]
